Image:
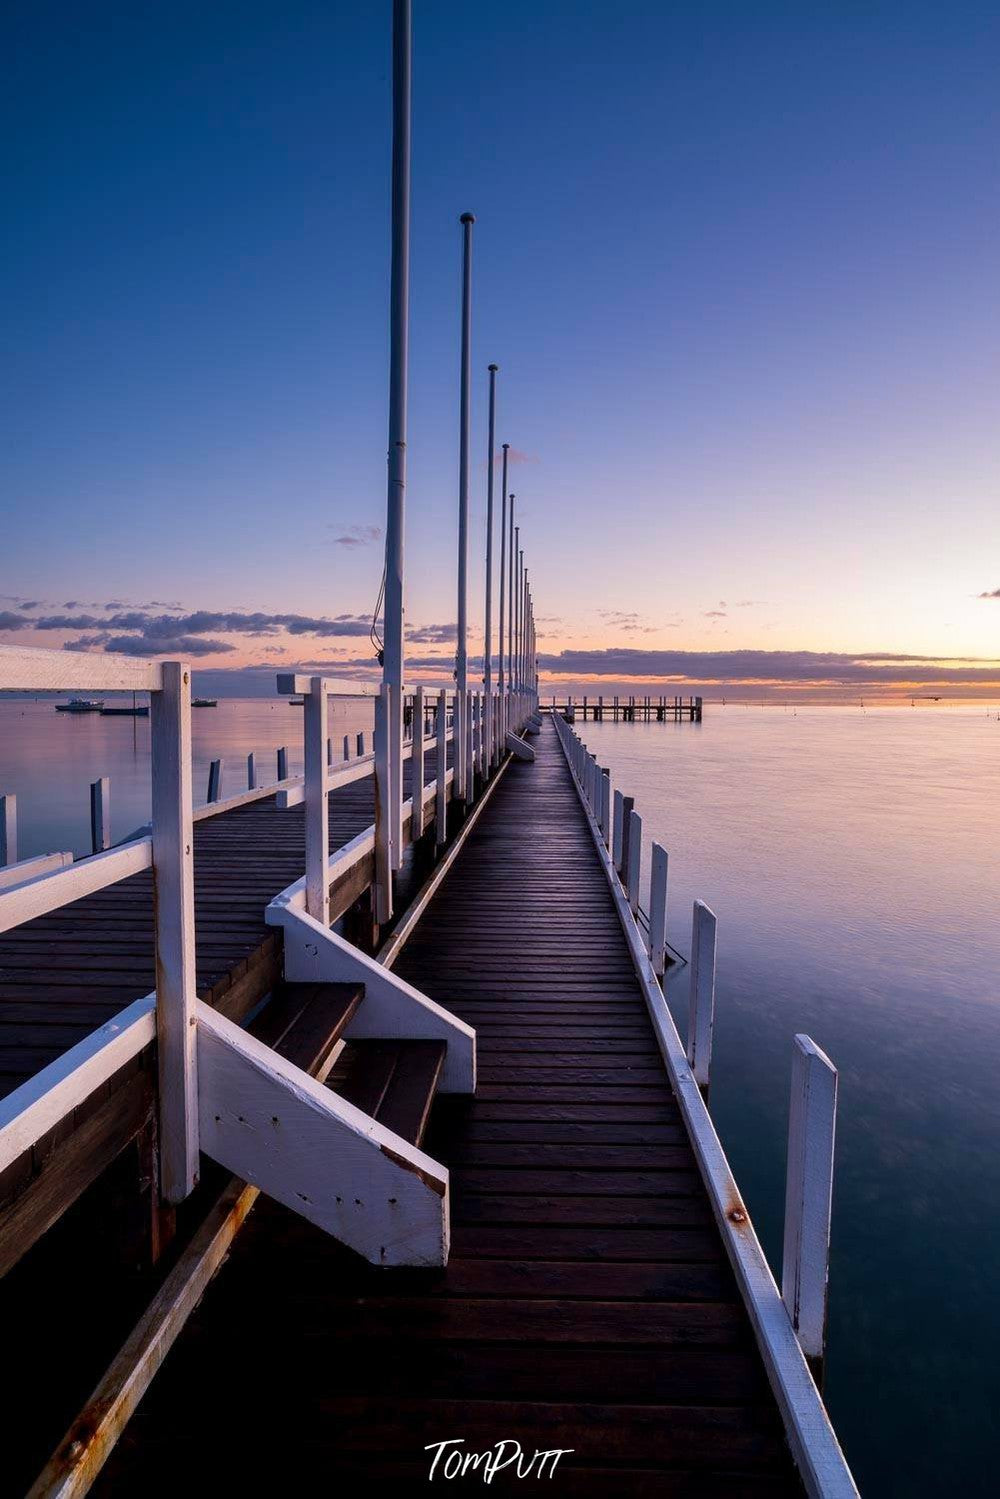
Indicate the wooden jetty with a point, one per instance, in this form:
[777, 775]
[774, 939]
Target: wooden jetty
[576, 1271]
[629, 709]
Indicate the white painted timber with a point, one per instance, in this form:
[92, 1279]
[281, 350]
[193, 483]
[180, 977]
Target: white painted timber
[383, 796]
[701, 994]
[26, 669]
[813, 1442]
[30, 869]
[298, 685]
[658, 909]
[173, 905]
[606, 807]
[618, 829]
[812, 1122]
[393, 1009]
[273, 1125]
[417, 780]
[34, 1108]
[519, 749]
[441, 800]
[8, 829]
[244, 798]
[317, 823]
[633, 875]
[47, 892]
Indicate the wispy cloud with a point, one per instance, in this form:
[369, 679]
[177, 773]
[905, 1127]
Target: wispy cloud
[432, 634]
[992, 593]
[139, 632]
[358, 536]
[749, 666]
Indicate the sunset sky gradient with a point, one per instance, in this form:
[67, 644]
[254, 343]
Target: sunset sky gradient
[737, 266]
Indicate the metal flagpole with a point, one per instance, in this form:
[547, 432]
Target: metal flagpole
[462, 653]
[510, 602]
[516, 659]
[503, 568]
[389, 798]
[488, 632]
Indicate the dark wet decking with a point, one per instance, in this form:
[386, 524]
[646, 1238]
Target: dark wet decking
[587, 1304]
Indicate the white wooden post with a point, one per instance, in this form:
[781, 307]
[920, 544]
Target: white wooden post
[805, 1261]
[361, 743]
[317, 823]
[606, 807]
[251, 771]
[394, 736]
[8, 829]
[441, 770]
[628, 802]
[173, 903]
[468, 760]
[383, 824]
[701, 996]
[617, 829]
[658, 910]
[215, 781]
[417, 767]
[283, 764]
[347, 746]
[100, 814]
[329, 751]
[634, 871]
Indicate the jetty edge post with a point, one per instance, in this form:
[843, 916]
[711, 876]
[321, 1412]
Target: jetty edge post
[463, 770]
[383, 851]
[251, 771]
[701, 997]
[805, 1260]
[658, 909]
[100, 814]
[214, 781]
[489, 756]
[633, 872]
[8, 829]
[417, 768]
[173, 911]
[316, 820]
[441, 770]
[389, 767]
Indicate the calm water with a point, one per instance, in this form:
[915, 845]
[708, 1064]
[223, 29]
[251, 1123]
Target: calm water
[49, 759]
[853, 861]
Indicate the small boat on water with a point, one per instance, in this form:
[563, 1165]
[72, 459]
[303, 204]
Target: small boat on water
[138, 712]
[81, 705]
[204, 702]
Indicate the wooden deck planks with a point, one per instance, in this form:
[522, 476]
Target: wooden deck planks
[588, 1302]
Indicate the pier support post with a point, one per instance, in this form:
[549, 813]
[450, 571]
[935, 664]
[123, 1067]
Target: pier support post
[701, 998]
[805, 1259]
[317, 823]
[173, 904]
[441, 771]
[383, 824]
[100, 814]
[214, 781]
[251, 771]
[633, 866]
[658, 910]
[417, 767]
[8, 830]
[283, 764]
[606, 806]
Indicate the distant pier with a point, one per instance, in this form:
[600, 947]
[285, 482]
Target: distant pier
[632, 709]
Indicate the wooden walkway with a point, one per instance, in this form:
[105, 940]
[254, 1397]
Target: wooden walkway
[64, 974]
[587, 1303]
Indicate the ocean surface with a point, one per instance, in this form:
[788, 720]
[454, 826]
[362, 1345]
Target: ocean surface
[853, 860]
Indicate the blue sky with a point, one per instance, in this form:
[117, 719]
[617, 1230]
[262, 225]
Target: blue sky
[737, 266]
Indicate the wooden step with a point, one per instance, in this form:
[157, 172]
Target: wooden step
[393, 1081]
[304, 1022]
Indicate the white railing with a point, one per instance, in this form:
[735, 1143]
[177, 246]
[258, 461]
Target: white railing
[790, 1325]
[168, 850]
